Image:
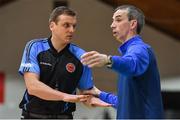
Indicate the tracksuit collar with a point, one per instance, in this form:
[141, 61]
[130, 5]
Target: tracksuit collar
[123, 48]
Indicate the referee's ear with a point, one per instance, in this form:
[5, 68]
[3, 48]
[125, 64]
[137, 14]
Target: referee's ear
[51, 25]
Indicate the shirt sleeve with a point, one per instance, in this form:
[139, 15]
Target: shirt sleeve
[29, 61]
[135, 62]
[86, 81]
[109, 98]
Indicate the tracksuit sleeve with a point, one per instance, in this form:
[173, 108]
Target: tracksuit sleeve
[134, 62]
[86, 81]
[109, 98]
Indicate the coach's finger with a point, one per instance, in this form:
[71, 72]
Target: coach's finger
[87, 54]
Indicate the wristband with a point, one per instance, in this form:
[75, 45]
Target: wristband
[109, 64]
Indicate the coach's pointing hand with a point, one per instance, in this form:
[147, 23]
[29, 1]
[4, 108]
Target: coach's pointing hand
[94, 59]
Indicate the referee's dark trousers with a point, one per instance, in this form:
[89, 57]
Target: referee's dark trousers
[29, 115]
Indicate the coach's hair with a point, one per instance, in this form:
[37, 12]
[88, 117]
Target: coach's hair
[59, 11]
[134, 13]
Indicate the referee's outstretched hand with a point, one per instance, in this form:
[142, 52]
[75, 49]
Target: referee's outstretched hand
[76, 98]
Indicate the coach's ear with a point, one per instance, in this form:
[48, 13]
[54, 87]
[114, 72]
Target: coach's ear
[133, 24]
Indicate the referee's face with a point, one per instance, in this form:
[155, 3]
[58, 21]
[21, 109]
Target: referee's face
[63, 30]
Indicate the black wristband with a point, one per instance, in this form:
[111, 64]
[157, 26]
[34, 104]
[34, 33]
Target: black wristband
[109, 64]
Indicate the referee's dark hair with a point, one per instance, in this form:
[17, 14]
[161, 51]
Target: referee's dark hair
[59, 11]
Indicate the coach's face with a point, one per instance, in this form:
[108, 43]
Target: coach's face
[64, 28]
[121, 26]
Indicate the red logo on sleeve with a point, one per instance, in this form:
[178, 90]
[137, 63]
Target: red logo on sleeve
[70, 67]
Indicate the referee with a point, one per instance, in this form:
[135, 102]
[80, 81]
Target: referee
[52, 71]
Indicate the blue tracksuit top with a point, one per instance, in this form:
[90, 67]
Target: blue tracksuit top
[139, 92]
[109, 98]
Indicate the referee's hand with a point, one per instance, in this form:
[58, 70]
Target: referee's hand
[75, 98]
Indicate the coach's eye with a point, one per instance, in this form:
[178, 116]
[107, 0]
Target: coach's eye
[118, 20]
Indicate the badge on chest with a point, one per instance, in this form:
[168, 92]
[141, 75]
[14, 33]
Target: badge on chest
[70, 67]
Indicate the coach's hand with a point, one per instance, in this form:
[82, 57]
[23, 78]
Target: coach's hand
[94, 91]
[96, 102]
[75, 98]
[94, 59]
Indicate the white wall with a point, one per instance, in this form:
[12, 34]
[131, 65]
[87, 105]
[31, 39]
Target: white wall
[14, 89]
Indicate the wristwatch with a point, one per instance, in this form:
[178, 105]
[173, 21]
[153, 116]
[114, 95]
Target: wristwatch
[109, 64]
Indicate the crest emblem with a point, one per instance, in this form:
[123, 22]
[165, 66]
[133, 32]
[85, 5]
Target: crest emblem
[70, 67]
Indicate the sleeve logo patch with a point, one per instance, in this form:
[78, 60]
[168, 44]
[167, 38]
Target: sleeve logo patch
[70, 67]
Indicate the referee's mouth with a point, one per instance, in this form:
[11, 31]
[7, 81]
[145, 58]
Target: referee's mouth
[69, 36]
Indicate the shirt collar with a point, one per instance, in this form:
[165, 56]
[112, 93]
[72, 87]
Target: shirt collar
[122, 49]
[54, 51]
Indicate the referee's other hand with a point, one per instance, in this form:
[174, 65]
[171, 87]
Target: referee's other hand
[75, 98]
